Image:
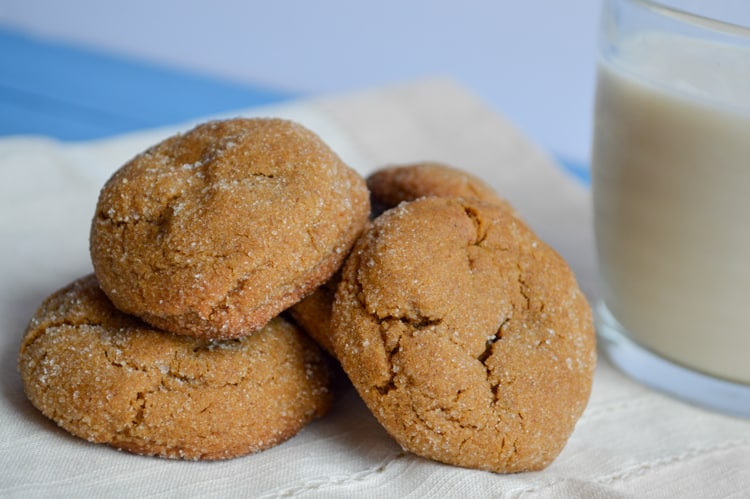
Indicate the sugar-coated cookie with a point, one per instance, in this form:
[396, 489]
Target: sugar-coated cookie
[391, 185]
[108, 377]
[466, 336]
[213, 232]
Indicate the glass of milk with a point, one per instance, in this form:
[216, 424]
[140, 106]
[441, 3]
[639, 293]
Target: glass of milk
[671, 193]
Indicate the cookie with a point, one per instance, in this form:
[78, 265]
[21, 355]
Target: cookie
[466, 336]
[213, 232]
[108, 377]
[391, 185]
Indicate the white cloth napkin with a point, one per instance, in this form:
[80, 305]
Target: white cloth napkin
[630, 441]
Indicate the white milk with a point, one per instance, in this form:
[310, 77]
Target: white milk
[671, 183]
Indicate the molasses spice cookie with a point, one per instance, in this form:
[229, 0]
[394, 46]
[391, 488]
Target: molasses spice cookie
[107, 377]
[467, 337]
[213, 232]
[393, 184]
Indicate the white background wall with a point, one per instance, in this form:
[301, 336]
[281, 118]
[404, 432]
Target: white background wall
[531, 60]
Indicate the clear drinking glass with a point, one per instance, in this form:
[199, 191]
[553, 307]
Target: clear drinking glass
[671, 191]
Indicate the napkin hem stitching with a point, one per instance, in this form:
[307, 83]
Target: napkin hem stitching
[335, 481]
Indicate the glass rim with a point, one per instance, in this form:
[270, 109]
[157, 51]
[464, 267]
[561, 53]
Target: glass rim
[696, 19]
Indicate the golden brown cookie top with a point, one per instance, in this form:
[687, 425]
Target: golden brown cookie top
[391, 185]
[213, 232]
[109, 378]
[466, 336]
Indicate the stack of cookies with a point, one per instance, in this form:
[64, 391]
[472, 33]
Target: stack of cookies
[465, 335]
[175, 346]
